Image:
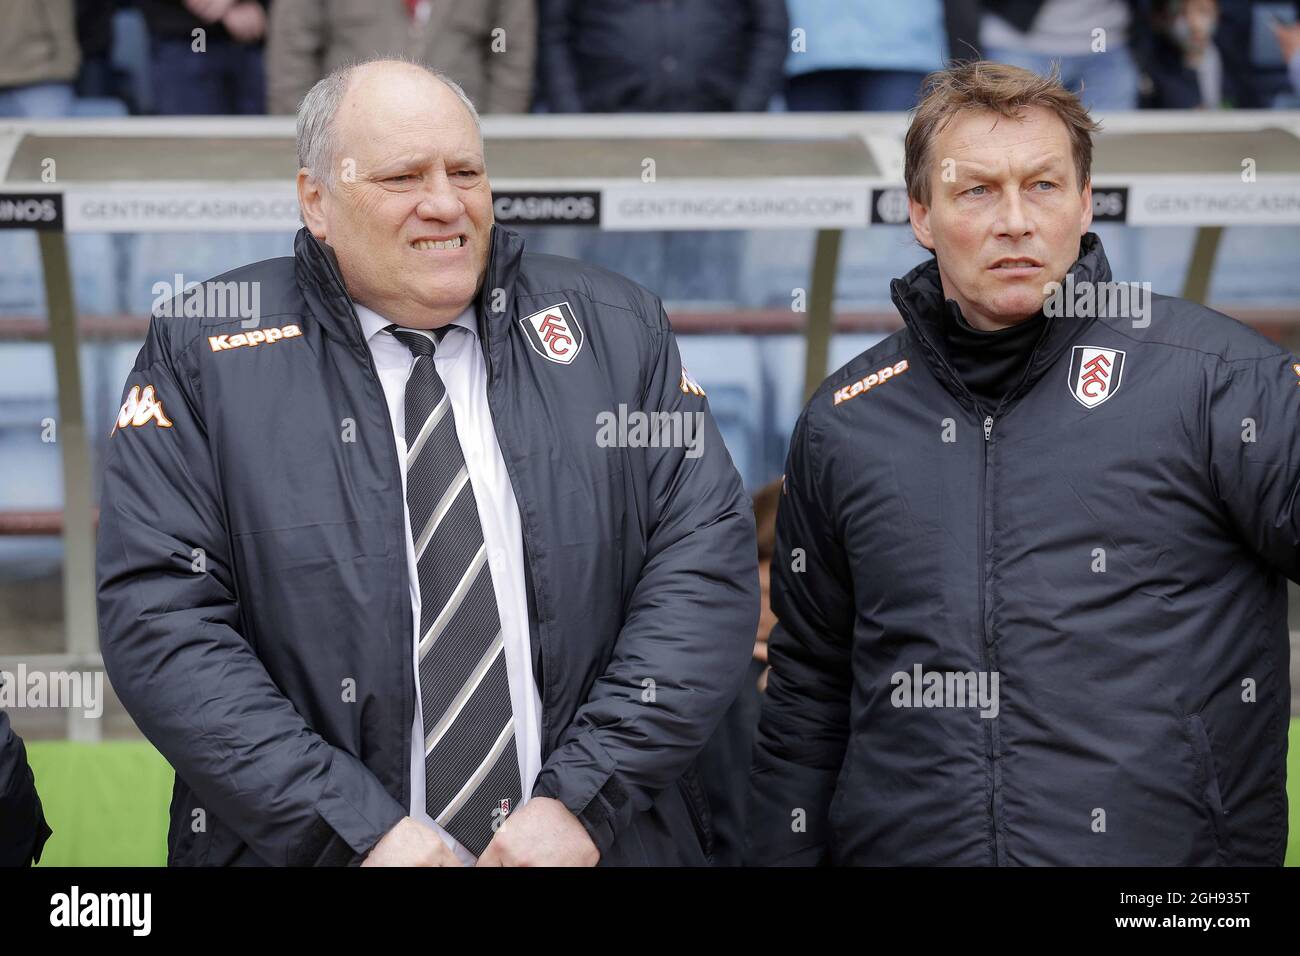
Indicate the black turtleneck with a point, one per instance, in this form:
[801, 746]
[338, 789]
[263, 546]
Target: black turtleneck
[990, 363]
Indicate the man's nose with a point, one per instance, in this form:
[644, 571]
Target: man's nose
[1013, 218]
[440, 200]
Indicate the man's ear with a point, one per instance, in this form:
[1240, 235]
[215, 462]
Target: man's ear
[920, 217]
[311, 195]
[1085, 217]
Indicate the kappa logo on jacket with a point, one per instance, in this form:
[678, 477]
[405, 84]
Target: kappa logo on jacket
[220, 343]
[868, 382]
[140, 408]
[1095, 374]
[689, 386]
[554, 333]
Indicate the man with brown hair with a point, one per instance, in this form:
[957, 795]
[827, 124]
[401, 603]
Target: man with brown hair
[1031, 556]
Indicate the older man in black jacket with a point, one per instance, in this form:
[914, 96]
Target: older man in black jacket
[1031, 560]
[437, 558]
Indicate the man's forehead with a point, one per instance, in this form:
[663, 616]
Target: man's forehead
[427, 133]
[379, 159]
[409, 136]
[400, 109]
[972, 133]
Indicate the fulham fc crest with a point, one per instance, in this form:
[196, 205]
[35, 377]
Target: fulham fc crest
[554, 333]
[1095, 374]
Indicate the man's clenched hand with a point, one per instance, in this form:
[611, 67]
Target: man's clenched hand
[410, 844]
[542, 833]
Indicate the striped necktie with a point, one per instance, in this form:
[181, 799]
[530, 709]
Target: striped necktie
[471, 769]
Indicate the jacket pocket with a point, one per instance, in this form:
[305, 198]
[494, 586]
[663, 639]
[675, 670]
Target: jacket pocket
[320, 544]
[196, 837]
[697, 804]
[1210, 795]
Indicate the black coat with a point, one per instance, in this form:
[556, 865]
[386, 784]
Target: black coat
[1118, 558]
[23, 830]
[640, 562]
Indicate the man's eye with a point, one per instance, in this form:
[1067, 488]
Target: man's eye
[1044, 182]
[398, 179]
[977, 191]
[466, 173]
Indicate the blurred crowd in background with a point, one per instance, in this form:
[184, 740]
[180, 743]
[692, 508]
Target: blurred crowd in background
[239, 57]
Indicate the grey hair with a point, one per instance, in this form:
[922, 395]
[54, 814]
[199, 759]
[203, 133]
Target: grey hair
[316, 134]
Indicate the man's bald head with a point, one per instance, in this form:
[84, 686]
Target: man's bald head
[378, 89]
[392, 179]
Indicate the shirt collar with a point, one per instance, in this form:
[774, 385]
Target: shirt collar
[372, 323]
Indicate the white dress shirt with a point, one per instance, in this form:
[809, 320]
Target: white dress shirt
[459, 363]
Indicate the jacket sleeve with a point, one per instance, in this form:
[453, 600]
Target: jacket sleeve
[23, 830]
[295, 48]
[170, 636]
[684, 647]
[510, 75]
[1254, 440]
[804, 725]
[768, 46]
[559, 73]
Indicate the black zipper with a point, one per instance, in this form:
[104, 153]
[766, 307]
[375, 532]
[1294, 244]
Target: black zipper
[408, 673]
[985, 657]
[508, 459]
[530, 574]
[959, 387]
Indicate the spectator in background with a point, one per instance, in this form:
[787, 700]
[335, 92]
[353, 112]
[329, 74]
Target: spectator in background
[1254, 62]
[213, 73]
[94, 20]
[873, 56]
[487, 46]
[677, 56]
[693, 56]
[1288, 38]
[1183, 69]
[39, 58]
[1032, 34]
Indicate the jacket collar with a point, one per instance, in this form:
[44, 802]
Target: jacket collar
[919, 298]
[317, 270]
